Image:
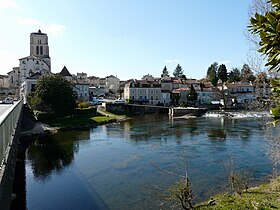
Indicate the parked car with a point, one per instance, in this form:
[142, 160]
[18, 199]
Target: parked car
[8, 100]
[96, 101]
[120, 101]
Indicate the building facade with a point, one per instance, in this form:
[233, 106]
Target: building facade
[39, 60]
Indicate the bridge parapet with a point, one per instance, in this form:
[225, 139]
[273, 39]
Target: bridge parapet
[10, 122]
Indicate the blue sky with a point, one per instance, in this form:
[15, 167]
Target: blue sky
[127, 38]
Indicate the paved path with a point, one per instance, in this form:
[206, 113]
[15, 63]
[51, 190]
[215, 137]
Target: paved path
[4, 108]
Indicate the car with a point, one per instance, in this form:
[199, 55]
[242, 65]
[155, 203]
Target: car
[120, 101]
[8, 100]
[96, 102]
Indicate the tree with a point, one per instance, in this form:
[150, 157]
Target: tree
[54, 93]
[222, 73]
[234, 75]
[165, 72]
[267, 27]
[178, 72]
[247, 74]
[192, 96]
[212, 73]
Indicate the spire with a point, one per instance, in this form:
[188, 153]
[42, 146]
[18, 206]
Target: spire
[39, 31]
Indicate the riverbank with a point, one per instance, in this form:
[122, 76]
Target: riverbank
[70, 123]
[265, 196]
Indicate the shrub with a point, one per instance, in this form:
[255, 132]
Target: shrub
[83, 105]
[276, 112]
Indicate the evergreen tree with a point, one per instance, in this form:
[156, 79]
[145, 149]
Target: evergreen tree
[234, 75]
[222, 73]
[192, 96]
[178, 72]
[165, 72]
[247, 74]
[212, 73]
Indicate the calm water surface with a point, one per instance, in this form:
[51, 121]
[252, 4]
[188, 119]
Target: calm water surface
[112, 166]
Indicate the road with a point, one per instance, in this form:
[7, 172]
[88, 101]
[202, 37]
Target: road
[4, 108]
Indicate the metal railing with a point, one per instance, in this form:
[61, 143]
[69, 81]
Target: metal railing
[8, 125]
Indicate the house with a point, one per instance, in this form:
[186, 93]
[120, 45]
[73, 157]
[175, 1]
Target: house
[207, 95]
[80, 88]
[66, 74]
[82, 91]
[93, 81]
[82, 78]
[14, 78]
[143, 92]
[29, 85]
[4, 81]
[242, 93]
[112, 83]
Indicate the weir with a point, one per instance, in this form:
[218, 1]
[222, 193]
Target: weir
[10, 122]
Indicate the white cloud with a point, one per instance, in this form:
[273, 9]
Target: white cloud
[224, 62]
[4, 4]
[28, 21]
[172, 61]
[54, 28]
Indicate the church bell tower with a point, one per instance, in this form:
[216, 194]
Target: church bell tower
[39, 47]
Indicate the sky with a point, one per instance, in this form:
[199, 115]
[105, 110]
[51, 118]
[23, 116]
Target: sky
[127, 38]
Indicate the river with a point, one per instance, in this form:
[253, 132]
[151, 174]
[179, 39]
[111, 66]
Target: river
[114, 166]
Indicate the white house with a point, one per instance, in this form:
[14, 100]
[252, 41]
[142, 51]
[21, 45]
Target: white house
[29, 85]
[146, 92]
[242, 92]
[82, 91]
[112, 83]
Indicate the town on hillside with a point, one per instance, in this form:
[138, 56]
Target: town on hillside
[236, 89]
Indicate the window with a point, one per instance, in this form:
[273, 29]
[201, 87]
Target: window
[41, 50]
[152, 91]
[37, 50]
[152, 98]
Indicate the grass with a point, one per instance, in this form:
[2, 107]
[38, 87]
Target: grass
[80, 121]
[102, 119]
[266, 196]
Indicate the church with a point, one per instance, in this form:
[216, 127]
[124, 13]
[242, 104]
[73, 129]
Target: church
[37, 64]
[39, 60]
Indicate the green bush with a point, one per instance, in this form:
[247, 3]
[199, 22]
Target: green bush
[276, 112]
[44, 116]
[83, 105]
[91, 110]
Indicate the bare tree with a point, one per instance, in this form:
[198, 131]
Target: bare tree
[255, 59]
[179, 195]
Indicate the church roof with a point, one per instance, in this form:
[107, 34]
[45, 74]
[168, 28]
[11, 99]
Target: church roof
[38, 33]
[64, 72]
[30, 57]
[37, 75]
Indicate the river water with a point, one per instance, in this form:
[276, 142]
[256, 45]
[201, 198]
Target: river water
[114, 166]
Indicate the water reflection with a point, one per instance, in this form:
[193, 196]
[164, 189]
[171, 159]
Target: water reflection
[114, 162]
[52, 154]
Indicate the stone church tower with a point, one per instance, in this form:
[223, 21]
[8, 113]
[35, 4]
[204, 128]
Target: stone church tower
[39, 46]
[39, 61]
